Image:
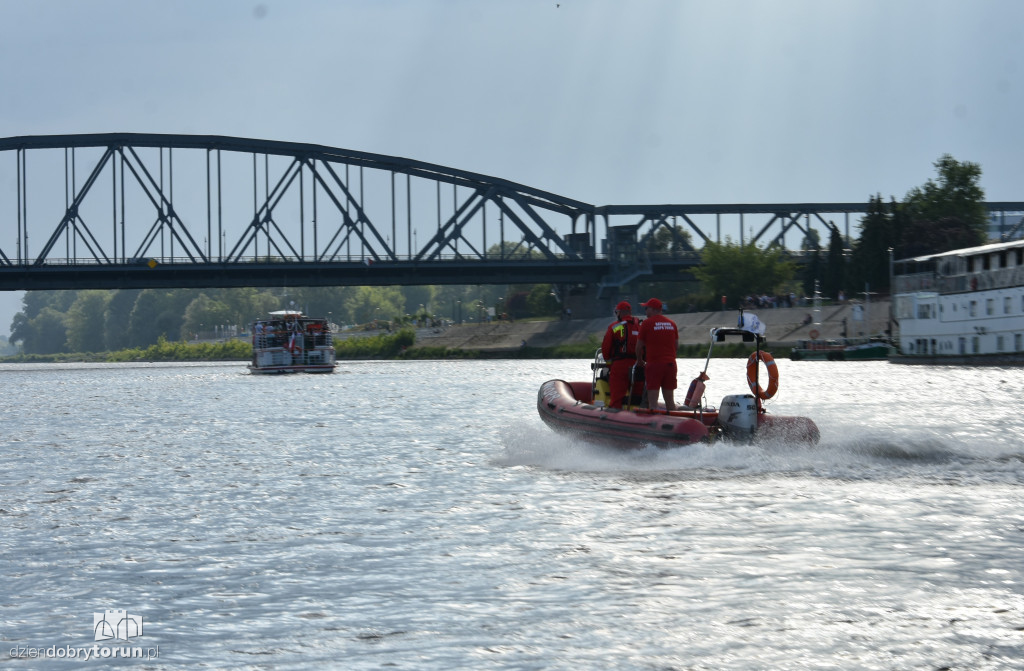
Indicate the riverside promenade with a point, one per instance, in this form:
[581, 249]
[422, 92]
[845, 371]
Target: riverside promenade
[784, 327]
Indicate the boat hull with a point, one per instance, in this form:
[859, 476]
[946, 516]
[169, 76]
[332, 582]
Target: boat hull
[566, 407]
[283, 370]
[830, 352]
[560, 409]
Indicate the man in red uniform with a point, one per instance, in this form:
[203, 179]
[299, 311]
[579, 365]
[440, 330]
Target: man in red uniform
[656, 348]
[619, 349]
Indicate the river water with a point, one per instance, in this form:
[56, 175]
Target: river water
[418, 515]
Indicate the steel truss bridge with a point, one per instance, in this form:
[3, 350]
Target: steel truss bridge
[126, 210]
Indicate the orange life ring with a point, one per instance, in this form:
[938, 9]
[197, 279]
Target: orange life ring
[773, 375]
[814, 334]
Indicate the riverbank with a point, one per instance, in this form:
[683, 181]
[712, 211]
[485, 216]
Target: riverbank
[574, 338]
[785, 327]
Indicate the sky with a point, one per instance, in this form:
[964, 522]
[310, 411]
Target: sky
[602, 101]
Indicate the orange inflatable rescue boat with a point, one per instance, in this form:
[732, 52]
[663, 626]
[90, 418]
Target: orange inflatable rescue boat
[581, 407]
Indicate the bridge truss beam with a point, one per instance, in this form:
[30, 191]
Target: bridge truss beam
[137, 210]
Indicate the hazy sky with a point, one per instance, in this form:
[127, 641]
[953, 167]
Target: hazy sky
[603, 101]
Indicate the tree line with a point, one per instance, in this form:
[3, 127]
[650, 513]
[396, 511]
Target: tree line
[100, 320]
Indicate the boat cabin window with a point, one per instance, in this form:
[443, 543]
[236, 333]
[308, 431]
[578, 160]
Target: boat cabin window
[986, 262]
[1002, 259]
[974, 308]
[990, 306]
[1020, 256]
[1007, 305]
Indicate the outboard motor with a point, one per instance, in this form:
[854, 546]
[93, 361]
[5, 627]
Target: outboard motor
[738, 416]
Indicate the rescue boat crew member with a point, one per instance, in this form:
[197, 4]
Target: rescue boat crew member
[656, 348]
[619, 349]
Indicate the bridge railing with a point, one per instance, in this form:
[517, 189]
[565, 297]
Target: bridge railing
[250, 260]
[683, 257]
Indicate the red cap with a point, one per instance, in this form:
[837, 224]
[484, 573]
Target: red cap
[653, 303]
[624, 305]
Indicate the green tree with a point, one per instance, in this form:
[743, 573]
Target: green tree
[35, 301]
[157, 312]
[85, 322]
[736, 271]
[417, 296]
[315, 302]
[946, 213]
[813, 271]
[541, 301]
[203, 313]
[116, 318]
[835, 265]
[369, 303]
[869, 263]
[248, 304]
[43, 334]
[668, 240]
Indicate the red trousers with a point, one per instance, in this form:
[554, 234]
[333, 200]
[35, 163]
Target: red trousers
[618, 382]
[661, 375]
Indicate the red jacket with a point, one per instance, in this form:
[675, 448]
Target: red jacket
[620, 340]
[661, 339]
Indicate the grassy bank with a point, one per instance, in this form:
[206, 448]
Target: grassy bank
[398, 345]
[376, 347]
[232, 350]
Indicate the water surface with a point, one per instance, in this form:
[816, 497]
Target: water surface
[419, 515]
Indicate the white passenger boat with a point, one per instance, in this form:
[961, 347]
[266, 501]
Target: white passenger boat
[962, 306]
[288, 342]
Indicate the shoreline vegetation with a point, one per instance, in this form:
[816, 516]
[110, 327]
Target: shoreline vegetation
[395, 346]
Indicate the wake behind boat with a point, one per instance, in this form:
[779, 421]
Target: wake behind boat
[581, 408]
[288, 342]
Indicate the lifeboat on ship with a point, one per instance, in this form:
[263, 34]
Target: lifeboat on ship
[581, 408]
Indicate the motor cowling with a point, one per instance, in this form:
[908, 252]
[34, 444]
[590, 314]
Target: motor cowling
[738, 416]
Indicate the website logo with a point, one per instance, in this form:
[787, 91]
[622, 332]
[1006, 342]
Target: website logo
[116, 624]
[110, 625]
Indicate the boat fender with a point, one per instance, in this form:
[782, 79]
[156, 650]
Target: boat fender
[773, 375]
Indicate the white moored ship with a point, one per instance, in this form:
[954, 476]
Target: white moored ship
[961, 306]
[288, 342]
